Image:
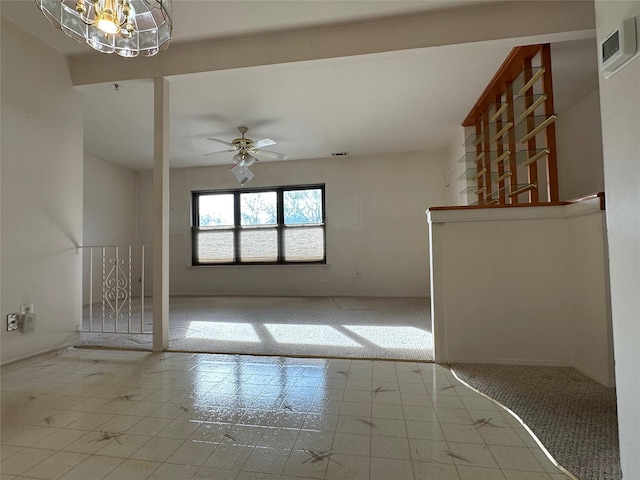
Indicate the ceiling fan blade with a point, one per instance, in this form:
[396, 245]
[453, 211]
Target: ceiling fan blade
[265, 142]
[214, 153]
[220, 141]
[270, 154]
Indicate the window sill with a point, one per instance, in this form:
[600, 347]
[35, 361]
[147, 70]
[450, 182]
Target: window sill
[278, 266]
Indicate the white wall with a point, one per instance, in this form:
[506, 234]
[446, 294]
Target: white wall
[109, 218]
[455, 168]
[579, 149]
[110, 198]
[522, 285]
[591, 333]
[620, 107]
[375, 226]
[41, 193]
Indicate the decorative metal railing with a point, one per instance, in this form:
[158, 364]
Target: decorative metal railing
[114, 289]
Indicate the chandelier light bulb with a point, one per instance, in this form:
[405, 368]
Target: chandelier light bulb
[126, 27]
[107, 23]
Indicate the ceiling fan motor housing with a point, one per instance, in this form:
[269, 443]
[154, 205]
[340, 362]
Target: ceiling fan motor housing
[242, 143]
[246, 147]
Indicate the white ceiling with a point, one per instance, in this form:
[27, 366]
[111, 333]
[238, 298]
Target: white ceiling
[381, 103]
[399, 101]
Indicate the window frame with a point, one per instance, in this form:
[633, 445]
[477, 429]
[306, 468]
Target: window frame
[237, 227]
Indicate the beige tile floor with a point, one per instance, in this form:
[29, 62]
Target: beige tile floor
[116, 415]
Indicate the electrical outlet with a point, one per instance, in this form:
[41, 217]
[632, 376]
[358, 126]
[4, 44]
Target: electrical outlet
[357, 276]
[26, 308]
[13, 322]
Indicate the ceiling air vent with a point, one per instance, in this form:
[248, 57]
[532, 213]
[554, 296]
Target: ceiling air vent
[340, 154]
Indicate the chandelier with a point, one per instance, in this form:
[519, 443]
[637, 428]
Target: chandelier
[126, 27]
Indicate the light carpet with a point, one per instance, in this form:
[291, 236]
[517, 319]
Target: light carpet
[574, 416]
[349, 327]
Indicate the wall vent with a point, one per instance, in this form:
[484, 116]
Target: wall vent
[340, 154]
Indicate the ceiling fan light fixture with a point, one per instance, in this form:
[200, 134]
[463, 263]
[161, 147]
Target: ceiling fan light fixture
[244, 159]
[127, 27]
[242, 173]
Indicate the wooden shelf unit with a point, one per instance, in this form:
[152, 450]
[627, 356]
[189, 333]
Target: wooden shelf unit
[511, 138]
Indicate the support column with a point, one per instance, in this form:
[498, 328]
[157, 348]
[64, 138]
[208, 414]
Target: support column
[160, 214]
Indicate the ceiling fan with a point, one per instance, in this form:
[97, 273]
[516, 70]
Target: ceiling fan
[246, 148]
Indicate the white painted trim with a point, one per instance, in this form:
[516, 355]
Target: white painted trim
[537, 363]
[439, 309]
[511, 361]
[160, 214]
[607, 382]
[35, 354]
[585, 207]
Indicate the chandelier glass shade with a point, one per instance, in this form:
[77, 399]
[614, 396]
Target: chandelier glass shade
[126, 27]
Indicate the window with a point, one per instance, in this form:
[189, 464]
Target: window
[278, 225]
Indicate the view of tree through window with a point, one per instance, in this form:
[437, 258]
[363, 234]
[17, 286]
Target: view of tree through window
[269, 225]
[258, 208]
[216, 210]
[302, 206]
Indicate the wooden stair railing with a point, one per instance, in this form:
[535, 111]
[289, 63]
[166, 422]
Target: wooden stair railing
[511, 144]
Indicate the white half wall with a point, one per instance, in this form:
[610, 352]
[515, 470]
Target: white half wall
[522, 285]
[620, 107]
[375, 226]
[41, 194]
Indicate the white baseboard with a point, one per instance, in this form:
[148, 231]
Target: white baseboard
[341, 293]
[510, 361]
[598, 377]
[35, 354]
[603, 379]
